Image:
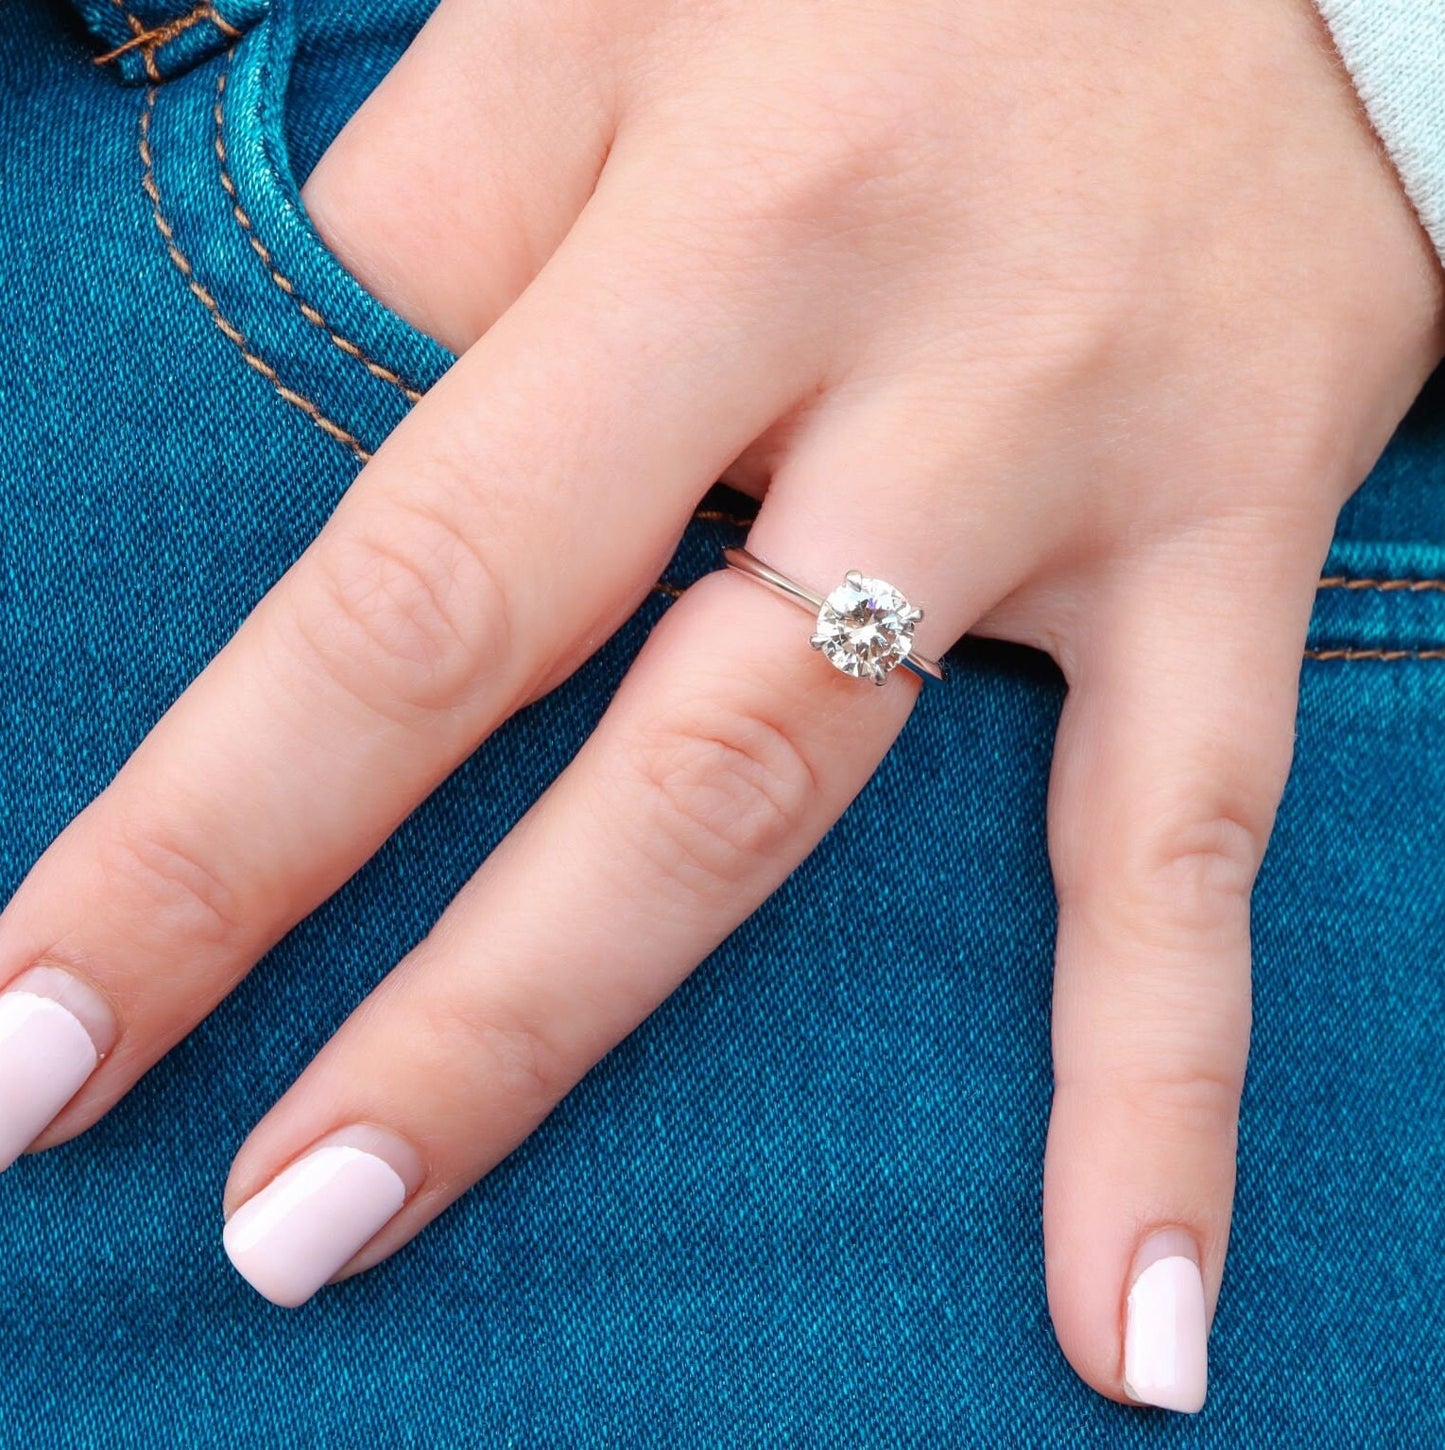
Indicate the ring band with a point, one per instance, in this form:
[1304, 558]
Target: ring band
[864, 627]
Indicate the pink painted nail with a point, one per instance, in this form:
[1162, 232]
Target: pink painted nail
[1165, 1353]
[46, 1053]
[311, 1219]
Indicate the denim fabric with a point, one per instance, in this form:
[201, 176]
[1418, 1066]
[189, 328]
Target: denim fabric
[801, 1204]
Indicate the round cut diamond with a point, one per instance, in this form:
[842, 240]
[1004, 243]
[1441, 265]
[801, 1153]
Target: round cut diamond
[865, 627]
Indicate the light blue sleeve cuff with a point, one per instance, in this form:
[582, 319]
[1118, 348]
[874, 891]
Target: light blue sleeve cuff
[1395, 52]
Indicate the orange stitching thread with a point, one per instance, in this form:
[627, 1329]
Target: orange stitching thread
[183, 266]
[670, 590]
[224, 26]
[1351, 654]
[1385, 586]
[310, 313]
[138, 28]
[717, 516]
[1388, 656]
[149, 41]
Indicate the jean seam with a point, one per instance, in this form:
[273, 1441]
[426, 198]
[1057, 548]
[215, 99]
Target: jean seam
[1378, 584]
[138, 30]
[312, 314]
[182, 263]
[1351, 654]
[1384, 586]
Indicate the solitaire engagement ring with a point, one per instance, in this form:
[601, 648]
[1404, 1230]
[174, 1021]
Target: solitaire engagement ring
[864, 627]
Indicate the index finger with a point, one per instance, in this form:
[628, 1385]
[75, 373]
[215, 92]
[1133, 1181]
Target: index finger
[503, 531]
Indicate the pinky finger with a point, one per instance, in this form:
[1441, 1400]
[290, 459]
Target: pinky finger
[1170, 761]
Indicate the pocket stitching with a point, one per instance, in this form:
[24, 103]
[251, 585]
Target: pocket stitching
[1384, 586]
[182, 263]
[312, 315]
[1349, 654]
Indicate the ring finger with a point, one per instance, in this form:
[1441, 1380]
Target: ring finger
[729, 750]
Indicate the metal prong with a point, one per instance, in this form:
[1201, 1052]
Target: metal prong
[818, 641]
[854, 578]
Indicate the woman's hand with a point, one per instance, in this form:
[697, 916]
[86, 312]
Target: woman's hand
[1078, 321]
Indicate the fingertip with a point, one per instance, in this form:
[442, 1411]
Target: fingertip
[305, 1226]
[1166, 1359]
[1137, 1335]
[1124, 1194]
[83, 1000]
[55, 1030]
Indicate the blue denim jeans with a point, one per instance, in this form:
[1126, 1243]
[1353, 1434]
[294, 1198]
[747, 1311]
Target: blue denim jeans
[801, 1204]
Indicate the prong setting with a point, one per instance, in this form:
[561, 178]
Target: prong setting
[865, 627]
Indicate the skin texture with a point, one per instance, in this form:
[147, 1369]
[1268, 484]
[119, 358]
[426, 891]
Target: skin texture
[1086, 315]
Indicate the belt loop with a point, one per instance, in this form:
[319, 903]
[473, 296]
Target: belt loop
[145, 41]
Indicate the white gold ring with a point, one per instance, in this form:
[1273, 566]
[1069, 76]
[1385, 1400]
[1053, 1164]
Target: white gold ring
[864, 627]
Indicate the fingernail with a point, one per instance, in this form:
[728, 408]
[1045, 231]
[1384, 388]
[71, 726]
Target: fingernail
[1165, 1354]
[46, 1054]
[311, 1219]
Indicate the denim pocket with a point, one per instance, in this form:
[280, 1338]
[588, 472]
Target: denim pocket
[226, 203]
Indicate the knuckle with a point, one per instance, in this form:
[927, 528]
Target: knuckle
[729, 792]
[473, 1039]
[784, 185]
[408, 616]
[1198, 873]
[1179, 877]
[159, 876]
[780, 189]
[818, 170]
[1200, 1102]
